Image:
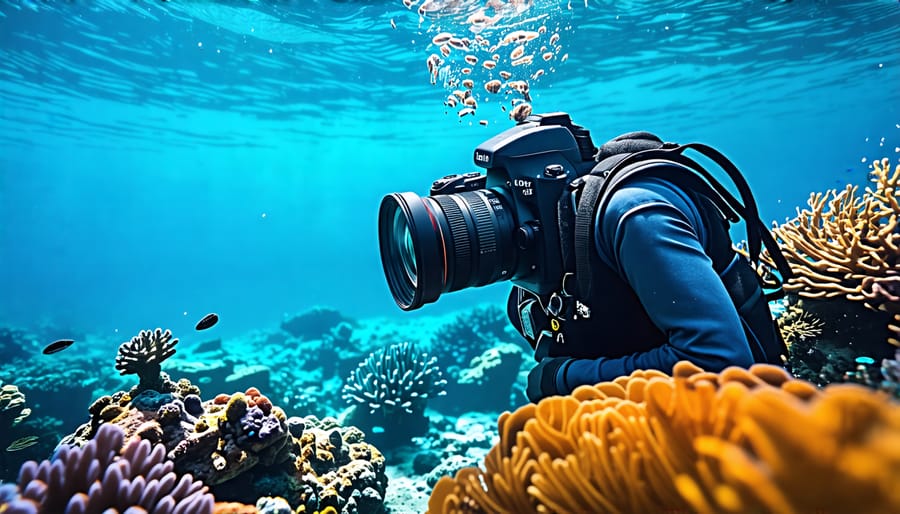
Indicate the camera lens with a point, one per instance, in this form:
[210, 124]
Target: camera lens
[437, 244]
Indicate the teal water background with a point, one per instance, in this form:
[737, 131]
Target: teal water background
[162, 160]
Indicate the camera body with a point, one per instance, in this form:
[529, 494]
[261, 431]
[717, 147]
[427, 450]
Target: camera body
[528, 169]
[475, 229]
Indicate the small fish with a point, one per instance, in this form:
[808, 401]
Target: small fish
[22, 443]
[865, 360]
[377, 430]
[58, 346]
[208, 321]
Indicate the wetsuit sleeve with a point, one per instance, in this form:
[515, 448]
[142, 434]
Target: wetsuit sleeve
[657, 250]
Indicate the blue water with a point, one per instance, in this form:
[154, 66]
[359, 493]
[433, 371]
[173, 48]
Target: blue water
[161, 160]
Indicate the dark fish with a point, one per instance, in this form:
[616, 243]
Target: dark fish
[58, 346]
[22, 443]
[208, 321]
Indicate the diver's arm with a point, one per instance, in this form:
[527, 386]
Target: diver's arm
[657, 251]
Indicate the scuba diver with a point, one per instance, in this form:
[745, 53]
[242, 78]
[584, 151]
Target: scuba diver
[620, 256]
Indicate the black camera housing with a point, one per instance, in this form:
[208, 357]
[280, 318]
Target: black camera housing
[529, 167]
[476, 229]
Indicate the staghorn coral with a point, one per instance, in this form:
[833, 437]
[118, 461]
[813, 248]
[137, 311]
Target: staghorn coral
[737, 441]
[100, 478]
[847, 245]
[143, 356]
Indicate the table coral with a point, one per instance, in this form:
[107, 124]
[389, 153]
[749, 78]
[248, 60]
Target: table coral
[735, 441]
[143, 356]
[100, 478]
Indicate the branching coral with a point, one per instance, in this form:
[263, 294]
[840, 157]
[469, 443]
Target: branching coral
[389, 391]
[736, 441]
[97, 478]
[143, 356]
[846, 244]
[798, 325]
[398, 379]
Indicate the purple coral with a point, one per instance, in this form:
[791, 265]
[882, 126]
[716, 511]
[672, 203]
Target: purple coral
[258, 426]
[143, 356]
[96, 477]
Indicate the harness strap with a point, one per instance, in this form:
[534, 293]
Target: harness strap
[595, 195]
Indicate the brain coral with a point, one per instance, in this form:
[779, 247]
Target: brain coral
[98, 478]
[737, 441]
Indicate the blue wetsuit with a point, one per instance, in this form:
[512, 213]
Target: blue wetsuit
[658, 295]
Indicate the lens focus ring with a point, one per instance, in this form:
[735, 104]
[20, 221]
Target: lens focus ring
[460, 265]
[487, 242]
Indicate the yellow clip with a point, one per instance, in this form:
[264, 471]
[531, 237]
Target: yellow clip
[554, 324]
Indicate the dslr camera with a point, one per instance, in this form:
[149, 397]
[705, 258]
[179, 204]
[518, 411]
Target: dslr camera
[478, 228]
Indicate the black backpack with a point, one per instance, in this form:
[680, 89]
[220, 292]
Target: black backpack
[635, 153]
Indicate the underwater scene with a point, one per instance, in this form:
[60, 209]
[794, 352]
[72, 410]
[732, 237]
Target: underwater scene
[449, 256]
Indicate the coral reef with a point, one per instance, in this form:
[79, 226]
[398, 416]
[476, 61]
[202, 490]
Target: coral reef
[143, 356]
[390, 390]
[12, 407]
[847, 245]
[99, 476]
[338, 469]
[314, 323]
[737, 441]
[799, 326]
[844, 250]
[244, 447]
[487, 384]
[457, 342]
[14, 435]
[14, 343]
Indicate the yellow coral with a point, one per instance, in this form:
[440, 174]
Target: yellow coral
[846, 244]
[798, 325]
[736, 441]
[236, 408]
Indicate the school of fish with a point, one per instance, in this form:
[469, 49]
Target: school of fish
[488, 55]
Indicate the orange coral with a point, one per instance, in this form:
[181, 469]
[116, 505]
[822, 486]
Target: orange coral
[737, 441]
[845, 244]
[234, 508]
